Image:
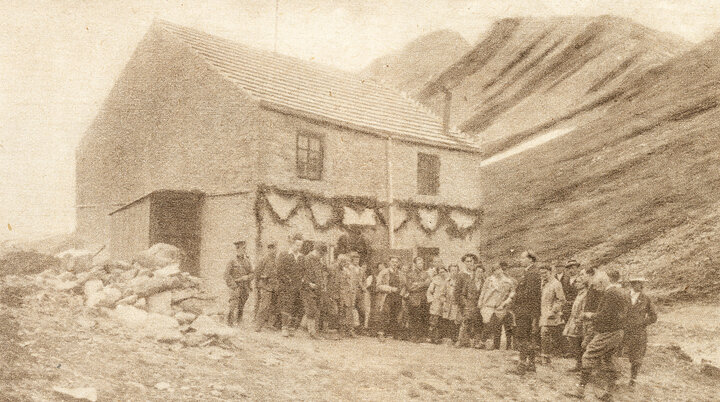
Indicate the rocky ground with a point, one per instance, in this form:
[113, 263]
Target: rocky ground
[50, 339]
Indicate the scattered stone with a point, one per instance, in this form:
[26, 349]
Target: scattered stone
[136, 385]
[172, 269]
[215, 393]
[141, 303]
[76, 260]
[66, 276]
[158, 256]
[106, 298]
[127, 276]
[130, 316]
[162, 386]
[184, 317]
[152, 286]
[193, 339]
[92, 286]
[160, 303]
[209, 327]
[179, 295]
[710, 370]
[132, 299]
[83, 394]
[63, 286]
[167, 335]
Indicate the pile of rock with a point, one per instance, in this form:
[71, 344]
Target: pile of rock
[151, 294]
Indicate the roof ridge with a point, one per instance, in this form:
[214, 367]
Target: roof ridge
[305, 86]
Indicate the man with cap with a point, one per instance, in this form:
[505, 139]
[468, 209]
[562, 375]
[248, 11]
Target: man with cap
[418, 281]
[266, 283]
[609, 321]
[238, 275]
[497, 294]
[290, 272]
[640, 315]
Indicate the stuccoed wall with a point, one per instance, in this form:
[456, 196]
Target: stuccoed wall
[354, 164]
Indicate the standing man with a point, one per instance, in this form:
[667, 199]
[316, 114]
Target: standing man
[311, 285]
[566, 276]
[552, 301]
[602, 352]
[418, 281]
[349, 287]
[359, 296]
[266, 284]
[497, 293]
[391, 283]
[641, 314]
[290, 274]
[526, 306]
[238, 275]
[467, 297]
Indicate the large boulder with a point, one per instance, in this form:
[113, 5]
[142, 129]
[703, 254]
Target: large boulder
[130, 316]
[184, 317]
[172, 269]
[158, 256]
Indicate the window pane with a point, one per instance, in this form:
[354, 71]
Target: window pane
[302, 155]
[428, 174]
[315, 144]
[302, 141]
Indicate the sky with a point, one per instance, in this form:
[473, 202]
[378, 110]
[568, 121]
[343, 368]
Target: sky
[59, 60]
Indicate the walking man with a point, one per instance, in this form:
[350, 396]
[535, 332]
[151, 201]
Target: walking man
[238, 275]
[641, 314]
[266, 285]
[603, 350]
[468, 295]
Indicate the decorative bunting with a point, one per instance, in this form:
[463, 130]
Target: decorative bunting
[328, 212]
[322, 213]
[284, 207]
[428, 219]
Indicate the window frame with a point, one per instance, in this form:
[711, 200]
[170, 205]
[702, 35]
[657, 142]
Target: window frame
[305, 169]
[427, 185]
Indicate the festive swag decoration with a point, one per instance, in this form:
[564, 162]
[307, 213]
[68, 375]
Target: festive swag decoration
[428, 218]
[328, 212]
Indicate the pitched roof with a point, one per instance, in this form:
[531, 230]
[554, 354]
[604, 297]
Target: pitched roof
[299, 87]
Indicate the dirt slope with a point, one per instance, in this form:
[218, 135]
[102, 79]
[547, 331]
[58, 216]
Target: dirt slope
[528, 71]
[418, 62]
[617, 184]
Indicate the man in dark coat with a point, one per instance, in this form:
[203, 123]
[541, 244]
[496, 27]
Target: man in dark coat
[526, 307]
[290, 272]
[641, 314]
[466, 296]
[418, 281]
[266, 284]
[238, 275]
[312, 281]
[603, 350]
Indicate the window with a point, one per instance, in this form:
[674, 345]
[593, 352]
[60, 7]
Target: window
[428, 174]
[309, 156]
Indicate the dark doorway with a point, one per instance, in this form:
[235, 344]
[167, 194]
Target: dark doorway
[175, 220]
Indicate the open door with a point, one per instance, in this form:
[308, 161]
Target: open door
[175, 220]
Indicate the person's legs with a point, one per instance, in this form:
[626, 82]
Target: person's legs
[233, 306]
[575, 346]
[241, 306]
[434, 331]
[545, 344]
[263, 308]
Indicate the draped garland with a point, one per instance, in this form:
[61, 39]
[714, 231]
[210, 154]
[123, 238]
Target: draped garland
[414, 210]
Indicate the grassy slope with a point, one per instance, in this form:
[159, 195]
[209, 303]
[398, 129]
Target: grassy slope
[618, 183]
[529, 71]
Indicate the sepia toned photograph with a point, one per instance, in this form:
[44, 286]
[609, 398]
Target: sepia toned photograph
[379, 200]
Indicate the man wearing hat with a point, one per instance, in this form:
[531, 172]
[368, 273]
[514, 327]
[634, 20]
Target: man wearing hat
[238, 274]
[526, 306]
[266, 284]
[497, 294]
[552, 301]
[640, 315]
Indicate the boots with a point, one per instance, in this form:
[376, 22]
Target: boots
[531, 362]
[520, 369]
[634, 369]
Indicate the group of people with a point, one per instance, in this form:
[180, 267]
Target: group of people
[554, 309]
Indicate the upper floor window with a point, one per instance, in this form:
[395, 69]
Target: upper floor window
[309, 148]
[428, 174]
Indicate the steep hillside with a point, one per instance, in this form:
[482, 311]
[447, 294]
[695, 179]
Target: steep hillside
[525, 72]
[620, 186]
[418, 62]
